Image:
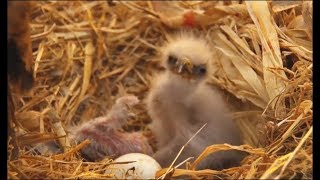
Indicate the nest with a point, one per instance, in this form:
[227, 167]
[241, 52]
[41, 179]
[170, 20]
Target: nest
[88, 53]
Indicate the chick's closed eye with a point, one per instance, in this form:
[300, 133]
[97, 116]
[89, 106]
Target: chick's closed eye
[200, 70]
[172, 60]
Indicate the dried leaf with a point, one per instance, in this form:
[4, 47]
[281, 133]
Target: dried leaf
[278, 6]
[271, 58]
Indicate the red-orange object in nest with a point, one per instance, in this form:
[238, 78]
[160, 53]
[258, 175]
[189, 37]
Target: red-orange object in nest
[189, 19]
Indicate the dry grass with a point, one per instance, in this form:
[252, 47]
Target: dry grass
[87, 54]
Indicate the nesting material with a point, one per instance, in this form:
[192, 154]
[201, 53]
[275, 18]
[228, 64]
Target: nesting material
[87, 54]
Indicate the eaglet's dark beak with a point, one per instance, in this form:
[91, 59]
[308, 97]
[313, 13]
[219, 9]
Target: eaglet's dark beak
[184, 65]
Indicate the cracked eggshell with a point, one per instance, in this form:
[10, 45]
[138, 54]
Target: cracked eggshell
[144, 167]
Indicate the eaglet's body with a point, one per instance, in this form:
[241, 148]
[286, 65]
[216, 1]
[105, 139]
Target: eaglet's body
[180, 106]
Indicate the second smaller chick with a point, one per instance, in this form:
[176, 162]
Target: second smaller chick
[105, 137]
[180, 102]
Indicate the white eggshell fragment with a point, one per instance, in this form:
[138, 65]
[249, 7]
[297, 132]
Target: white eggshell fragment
[144, 167]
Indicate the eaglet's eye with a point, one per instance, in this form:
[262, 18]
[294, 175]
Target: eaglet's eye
[200, 70]
[172, 60]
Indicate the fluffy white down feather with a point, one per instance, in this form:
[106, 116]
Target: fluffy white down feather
[179, 106]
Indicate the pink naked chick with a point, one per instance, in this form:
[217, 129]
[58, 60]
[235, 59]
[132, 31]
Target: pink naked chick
[180, 103]
[105, 137]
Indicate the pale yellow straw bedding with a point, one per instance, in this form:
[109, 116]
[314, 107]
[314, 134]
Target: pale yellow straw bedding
[87, 54]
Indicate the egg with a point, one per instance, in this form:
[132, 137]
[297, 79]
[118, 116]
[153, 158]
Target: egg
[144, 167]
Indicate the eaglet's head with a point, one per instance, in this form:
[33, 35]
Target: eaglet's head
[187, 56]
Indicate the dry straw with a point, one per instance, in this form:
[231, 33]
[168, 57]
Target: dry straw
[88, 53]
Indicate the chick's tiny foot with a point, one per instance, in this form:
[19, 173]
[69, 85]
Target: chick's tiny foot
[129, 100]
